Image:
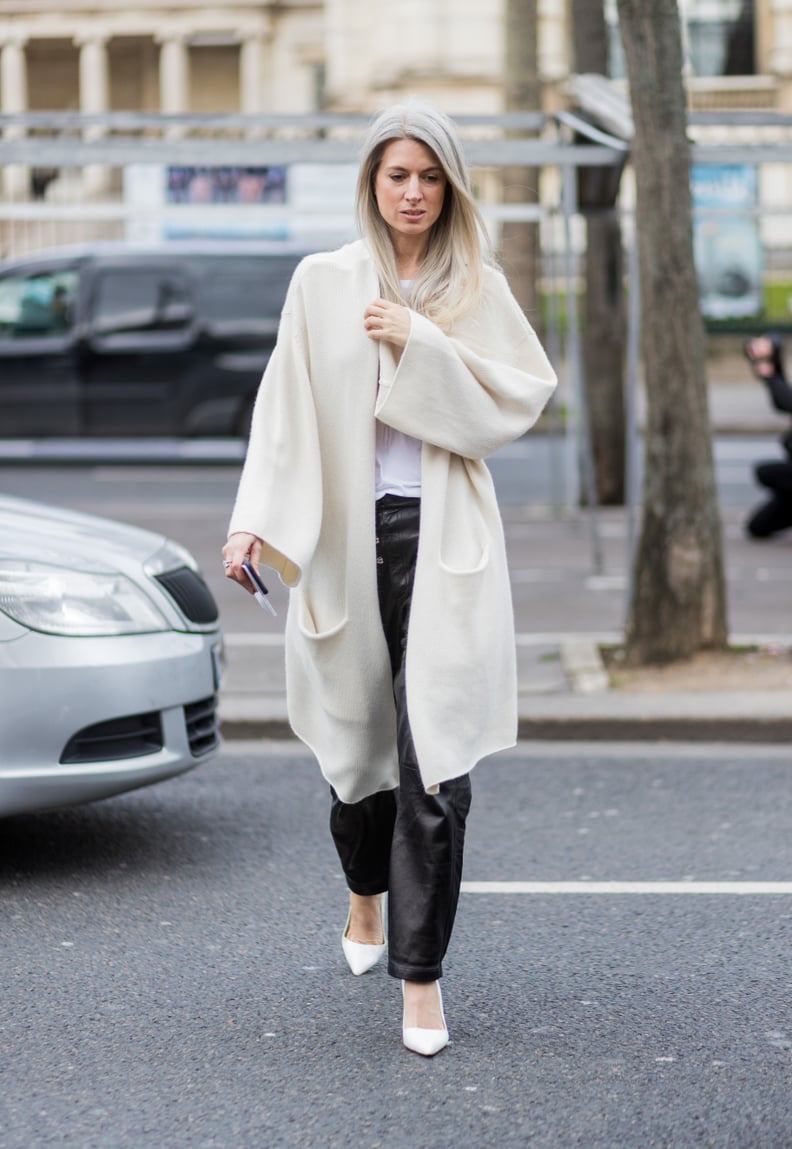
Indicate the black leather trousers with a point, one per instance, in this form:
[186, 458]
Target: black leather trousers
[405, 841]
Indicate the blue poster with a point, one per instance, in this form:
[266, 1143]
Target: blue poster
[726, 240]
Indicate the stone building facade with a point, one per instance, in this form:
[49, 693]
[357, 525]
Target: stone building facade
[160, 55]
[304, 55]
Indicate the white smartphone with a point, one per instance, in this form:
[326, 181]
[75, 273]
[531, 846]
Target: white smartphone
[262, 594]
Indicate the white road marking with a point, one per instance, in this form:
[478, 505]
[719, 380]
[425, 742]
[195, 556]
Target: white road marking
[751, 888]
[121, 474]
[534, 574]
[267, 749]
[606, 582]
[174, 512]
[253, 638]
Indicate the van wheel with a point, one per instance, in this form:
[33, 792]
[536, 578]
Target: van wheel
[246, 418]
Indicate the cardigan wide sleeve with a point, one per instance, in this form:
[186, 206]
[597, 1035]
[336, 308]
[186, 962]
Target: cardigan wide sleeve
[474, 390]
[279, 498]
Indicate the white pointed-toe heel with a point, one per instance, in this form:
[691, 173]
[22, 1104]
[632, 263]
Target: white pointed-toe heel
[427, 1042]
[360, 956]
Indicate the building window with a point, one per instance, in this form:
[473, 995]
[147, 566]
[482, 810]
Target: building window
[718, 38]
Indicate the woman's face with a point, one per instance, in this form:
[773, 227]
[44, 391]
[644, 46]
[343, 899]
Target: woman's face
[409, 187]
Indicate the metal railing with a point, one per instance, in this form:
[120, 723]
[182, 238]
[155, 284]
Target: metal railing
[90, 153]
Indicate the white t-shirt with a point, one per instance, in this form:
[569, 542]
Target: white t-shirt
[398, 458]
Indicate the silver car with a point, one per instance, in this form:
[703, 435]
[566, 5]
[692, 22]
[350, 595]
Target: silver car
[110, 658]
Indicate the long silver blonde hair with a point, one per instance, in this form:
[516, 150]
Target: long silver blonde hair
[450, 279]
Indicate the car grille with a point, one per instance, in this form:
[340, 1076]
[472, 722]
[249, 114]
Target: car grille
[129, 737]
[190, 593]
[201, 719]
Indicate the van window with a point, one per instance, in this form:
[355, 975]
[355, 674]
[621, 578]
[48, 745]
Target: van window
[140, 300]
[247, 294]
[38, 305]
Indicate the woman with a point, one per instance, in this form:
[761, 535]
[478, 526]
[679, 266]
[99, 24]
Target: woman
[402, 361]
[775, 514]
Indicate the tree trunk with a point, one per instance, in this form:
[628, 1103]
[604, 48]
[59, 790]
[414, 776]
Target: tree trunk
[603, 353]
[603, 311]
[679, 598]
[521, 93]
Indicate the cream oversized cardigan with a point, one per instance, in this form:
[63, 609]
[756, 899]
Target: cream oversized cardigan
[307, 490]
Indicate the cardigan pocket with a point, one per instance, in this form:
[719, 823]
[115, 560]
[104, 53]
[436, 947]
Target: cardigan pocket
[464, 540]
[322, 654]
[480, 565]
[463, 592]
[321, 601]
[307, 627]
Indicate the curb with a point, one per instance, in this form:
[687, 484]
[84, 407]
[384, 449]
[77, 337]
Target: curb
[251, 729]
[584, 719]
[579, 728]
[655, 729]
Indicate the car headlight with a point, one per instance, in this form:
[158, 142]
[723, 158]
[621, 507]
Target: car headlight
[57, 600]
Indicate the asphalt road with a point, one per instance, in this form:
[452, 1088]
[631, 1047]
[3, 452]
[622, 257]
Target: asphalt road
[172, 970]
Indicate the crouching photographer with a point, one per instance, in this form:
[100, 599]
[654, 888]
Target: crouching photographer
[775, 514]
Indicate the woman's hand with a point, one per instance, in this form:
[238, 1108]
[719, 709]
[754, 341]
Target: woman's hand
[387, 322]
[241, 546]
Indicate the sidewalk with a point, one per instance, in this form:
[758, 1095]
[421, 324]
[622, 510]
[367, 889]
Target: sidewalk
[563, 695]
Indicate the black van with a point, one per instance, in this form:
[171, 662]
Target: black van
[116, 340]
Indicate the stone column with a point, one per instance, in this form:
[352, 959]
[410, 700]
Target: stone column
[94, 100]
[553, 45]
[779, 64]
[251, 76]
[174, 71]
[14, 99]
[781, 52]
[351, 30]
[13, 77]
[94, 75]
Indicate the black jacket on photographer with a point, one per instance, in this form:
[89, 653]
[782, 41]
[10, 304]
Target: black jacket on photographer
[776, 513]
